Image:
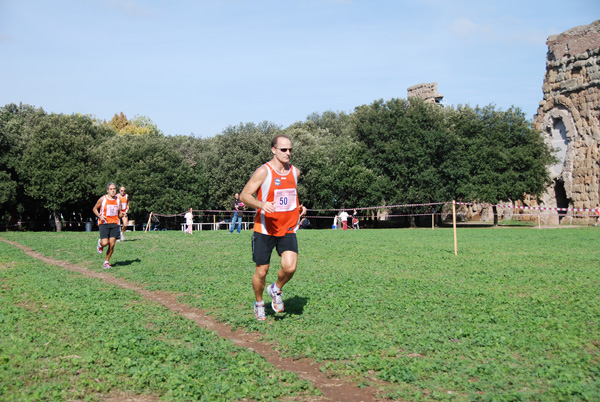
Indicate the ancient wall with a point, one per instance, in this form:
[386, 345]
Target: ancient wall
[569, 118]
[427, 92]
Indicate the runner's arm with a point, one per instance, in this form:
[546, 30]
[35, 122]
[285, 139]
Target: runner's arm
[96, 210]
[301, 207]
[251, 188]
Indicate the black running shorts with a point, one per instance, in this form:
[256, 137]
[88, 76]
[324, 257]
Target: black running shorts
[108, 230]
[262, 246]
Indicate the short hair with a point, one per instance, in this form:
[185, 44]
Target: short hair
[111, 184]
[277, 137]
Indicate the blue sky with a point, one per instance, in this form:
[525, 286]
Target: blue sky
[198, 66]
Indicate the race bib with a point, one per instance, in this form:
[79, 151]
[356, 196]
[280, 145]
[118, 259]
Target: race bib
[285, 199]
[112, 210]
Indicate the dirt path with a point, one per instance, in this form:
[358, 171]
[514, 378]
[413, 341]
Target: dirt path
[333, 389]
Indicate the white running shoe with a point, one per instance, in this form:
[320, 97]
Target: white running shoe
[99, 247]
[277, 302]
[259, 312]
[122, 236]
[107, 265]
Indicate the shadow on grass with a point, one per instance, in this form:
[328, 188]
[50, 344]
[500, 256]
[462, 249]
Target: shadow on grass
[125, 263]
[293, 306]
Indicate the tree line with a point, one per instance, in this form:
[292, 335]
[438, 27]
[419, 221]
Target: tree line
[386, 153]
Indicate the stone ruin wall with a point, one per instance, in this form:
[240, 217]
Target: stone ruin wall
[569, 119]
[428, 92]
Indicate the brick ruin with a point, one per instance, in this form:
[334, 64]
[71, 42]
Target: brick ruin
[569, 119]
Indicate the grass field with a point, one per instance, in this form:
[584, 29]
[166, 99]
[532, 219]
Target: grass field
[515, 316]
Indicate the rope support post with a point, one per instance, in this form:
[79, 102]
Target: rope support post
[454, 225]
[149, 223]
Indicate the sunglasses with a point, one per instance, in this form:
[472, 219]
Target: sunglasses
[284, 150]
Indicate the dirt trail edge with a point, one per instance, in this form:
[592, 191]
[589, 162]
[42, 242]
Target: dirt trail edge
[333, 389]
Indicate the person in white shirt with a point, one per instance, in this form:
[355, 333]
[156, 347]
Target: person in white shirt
[344, 217]
[189, 220]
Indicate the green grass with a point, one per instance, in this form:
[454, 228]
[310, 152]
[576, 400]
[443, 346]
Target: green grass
[67, 337]
[515, 316]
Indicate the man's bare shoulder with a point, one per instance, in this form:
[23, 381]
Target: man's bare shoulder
[261, 172]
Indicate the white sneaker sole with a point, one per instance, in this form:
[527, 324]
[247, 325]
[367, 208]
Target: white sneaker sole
[273, 304]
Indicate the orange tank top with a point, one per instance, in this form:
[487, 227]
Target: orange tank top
[281, 191]
[110, 209]
[124, 202]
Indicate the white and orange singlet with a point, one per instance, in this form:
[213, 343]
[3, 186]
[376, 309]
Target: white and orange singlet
[110, 209]
[124, 200]
[281, 191]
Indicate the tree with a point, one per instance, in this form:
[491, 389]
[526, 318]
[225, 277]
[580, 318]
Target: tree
[231, 157]
[157, 176]
[139, 125]
[56, 166]
[14, 120]
[507, 159]
[408, 145]
[433, 154]
[333, 170]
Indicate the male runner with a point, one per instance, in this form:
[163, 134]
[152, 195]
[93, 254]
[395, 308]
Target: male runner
[276, 222]
[108, 211]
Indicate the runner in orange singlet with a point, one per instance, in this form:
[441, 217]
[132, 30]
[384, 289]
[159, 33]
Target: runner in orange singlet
[124, 200]
[108, 211]
[276, 222]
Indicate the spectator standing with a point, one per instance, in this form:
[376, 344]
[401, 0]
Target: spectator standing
[237, 214]
[189, 221]
[344, 218]
[355, 220]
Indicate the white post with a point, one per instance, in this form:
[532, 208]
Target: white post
[454, 224]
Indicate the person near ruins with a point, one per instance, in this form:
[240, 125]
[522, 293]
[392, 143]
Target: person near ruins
[272, 191]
